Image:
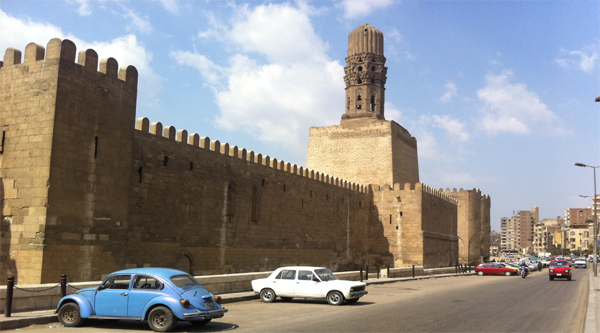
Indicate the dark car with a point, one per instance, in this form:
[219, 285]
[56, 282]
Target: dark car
[559, 269]
[494, 268]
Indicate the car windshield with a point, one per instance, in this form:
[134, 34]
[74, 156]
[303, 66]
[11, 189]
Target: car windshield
[325, 275]
[184, 281]
[559, 264]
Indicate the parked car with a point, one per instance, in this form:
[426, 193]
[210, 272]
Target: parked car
[580, 263]
[559, 269]
[162, 296]
[495, 268]
[308, 282]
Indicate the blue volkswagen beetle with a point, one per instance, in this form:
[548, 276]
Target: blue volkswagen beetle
[160, 295]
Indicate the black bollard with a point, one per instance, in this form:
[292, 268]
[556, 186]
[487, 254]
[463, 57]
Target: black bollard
[388, 271]
[63, 285]
[9, 296]
[361, 277]
[413, 271]
[377, 272]
[367, 273]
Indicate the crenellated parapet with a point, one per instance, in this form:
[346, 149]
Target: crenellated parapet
[66, 50]
[417, 187]
[182, 137]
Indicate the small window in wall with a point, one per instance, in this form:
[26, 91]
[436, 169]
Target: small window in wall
[263, 183]
[191, 166]
[140, 173]
[360, 68]
[2, 142]
[373, 69]
[372, 106]
[358, 98]
[360, 204]
[95, 147]
[283, 187]
[372, 80]
[255, 204]
[390, 218]
[311, 194]
[359, 81]
[166, 161]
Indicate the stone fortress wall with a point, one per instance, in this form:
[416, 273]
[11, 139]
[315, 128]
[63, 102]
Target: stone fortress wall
[86, 191]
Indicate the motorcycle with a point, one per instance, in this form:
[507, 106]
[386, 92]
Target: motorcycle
[524, 272]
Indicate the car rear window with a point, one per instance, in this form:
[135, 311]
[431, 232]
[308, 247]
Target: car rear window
[183, 281]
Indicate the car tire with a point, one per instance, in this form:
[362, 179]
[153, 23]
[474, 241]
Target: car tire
[69, 315]
[507, 273]
[162, 319]
[267, 295]
[335, 298]
[200, 322]
[286, 299]
[352, 300]
[480, 273]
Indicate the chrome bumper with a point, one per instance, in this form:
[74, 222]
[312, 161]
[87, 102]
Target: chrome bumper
[355, 294]
[205, 314]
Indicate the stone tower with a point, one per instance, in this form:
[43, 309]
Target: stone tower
[365, 148]
[365, 74]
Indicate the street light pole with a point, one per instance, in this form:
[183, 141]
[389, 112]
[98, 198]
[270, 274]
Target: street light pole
[595, 219]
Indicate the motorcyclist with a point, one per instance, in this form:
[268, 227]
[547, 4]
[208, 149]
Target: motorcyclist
[523, 266]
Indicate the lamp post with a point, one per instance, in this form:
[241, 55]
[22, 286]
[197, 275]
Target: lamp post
[595, 219]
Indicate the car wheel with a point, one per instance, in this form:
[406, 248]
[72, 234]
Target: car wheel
[352, 300]
[267, 295]
[286, 299]
[200, 322]
[69, 315]
[162, 319]
[335, 298]
[507, 273]
[480, 273]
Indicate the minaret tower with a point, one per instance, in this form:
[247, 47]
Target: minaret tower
[365, 74]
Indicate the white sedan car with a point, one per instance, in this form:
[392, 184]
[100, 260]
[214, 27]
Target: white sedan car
[308, 282]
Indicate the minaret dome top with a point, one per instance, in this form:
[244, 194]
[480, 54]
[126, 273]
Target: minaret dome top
[365, 38]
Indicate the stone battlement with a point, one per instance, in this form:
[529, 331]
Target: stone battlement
[415, 187]
[170, 133]
[66, 49]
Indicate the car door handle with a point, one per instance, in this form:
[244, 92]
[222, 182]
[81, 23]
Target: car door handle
[124, 294]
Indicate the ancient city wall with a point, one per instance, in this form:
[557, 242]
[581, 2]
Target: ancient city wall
[68, 133]
[419, 223]
[469, 224]
[210, 208]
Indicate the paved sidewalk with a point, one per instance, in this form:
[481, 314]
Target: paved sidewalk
[592, 316]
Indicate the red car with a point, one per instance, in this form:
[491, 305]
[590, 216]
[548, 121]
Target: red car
[494, 268]
[559, 269]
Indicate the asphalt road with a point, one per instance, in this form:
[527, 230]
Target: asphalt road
[458, 304]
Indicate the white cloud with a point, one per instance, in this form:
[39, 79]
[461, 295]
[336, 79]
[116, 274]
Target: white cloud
[391, 113]
[453, 127]
[357, 8]
[427, 146]
[127, 50]
[298, 86]
[137, 23]
[84, 7]
[170, 5]
[584, 59]
[449, 93]
[512, 108]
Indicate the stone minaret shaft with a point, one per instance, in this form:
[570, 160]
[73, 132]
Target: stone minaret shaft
[365, 74]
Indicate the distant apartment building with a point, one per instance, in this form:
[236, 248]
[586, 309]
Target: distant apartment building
[543, 238]
[577, 216]
[517, 232]
[509, 234]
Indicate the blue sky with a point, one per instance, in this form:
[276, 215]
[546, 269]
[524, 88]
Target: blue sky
[499, 94]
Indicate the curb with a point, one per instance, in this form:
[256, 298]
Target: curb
[24, 322]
